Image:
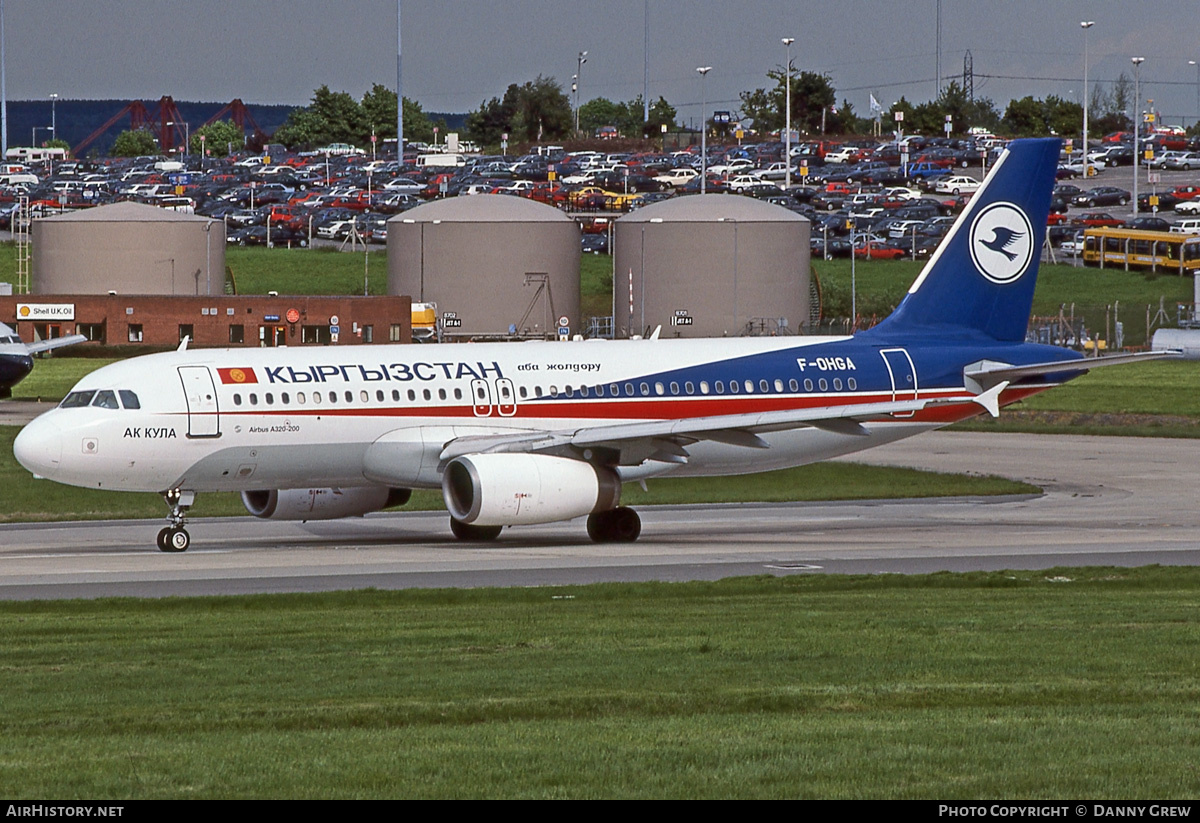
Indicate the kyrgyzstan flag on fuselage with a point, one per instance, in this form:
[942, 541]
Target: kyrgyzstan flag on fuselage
[245, 375]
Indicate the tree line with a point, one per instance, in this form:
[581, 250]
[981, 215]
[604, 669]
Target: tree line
[540, 110]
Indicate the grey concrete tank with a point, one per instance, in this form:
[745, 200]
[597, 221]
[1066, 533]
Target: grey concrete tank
[492, 263]
[712, 265]
[129, 248]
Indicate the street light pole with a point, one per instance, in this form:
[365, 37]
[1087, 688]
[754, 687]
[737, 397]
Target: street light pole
[1137, 116]
[1085, 25]
[53, 116]
[787, 143]
[575, 87]
[1197, 65]
[703, 70]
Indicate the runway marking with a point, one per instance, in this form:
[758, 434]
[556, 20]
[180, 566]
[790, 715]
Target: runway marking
[134, 553]
[793, 567]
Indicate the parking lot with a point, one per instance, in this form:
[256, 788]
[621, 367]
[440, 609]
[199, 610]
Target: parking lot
[342, 197]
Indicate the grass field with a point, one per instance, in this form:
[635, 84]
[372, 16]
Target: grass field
[1013, 685]
[1081, 292]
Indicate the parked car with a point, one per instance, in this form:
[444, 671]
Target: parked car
[1097, 219]
[1102, 196]
[1073, 246]
[1149, 224]
[958, 184]
[878, 250]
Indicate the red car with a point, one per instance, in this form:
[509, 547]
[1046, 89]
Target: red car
[553, 193]
[877, 250]
[1186, 192]
[1097, 219]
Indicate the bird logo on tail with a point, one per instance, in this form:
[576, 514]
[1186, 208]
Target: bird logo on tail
[1001, 245]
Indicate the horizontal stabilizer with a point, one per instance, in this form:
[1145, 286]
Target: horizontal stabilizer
[55, 343]
[987, 373]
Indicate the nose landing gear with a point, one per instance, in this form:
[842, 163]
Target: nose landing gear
[175, 538]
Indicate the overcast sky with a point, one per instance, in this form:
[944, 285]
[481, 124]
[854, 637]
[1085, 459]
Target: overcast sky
[457, 53]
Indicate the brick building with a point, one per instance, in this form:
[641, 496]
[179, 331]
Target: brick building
[161, 321]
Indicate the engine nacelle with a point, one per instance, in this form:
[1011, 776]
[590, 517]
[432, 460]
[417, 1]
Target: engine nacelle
[321, 504]
[521, 489]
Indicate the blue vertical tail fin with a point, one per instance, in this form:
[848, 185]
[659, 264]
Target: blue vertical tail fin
[980, 280]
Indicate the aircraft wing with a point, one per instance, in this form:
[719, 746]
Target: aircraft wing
[664, 439]
[54, 343]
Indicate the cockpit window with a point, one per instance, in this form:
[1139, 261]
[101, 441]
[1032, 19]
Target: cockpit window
[106, 399]
[128, 399]
[76, 399]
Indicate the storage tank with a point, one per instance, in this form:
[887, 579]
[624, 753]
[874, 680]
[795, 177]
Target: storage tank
[495, 265]
[713, 265]
[128, 248]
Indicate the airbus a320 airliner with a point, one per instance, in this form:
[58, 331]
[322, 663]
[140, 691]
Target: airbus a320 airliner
[522, 433]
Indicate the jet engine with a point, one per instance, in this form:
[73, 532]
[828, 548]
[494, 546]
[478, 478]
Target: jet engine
[520, 489]
[321, 504]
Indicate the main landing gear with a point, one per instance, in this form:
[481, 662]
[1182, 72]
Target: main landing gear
[174, 538]
[619, 525]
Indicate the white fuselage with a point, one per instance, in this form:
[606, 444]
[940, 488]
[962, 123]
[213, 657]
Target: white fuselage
[243, 419]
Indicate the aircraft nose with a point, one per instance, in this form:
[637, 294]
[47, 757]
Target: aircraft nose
[38, 447]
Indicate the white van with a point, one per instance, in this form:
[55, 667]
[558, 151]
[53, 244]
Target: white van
[1189, 226]
[440, 160]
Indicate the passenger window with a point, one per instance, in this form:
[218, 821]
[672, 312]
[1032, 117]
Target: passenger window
[395, 395]
[749, 386]
[808, 384]
[837, 383]
[764, 386]
[253, 399]
[524, 393]
[629, 390]
[704, 387]
[285, 398]
[458, 394]
[851, 383]
[675, 388]
[554, 391]
[823, 383]
[300, 398]
[129, 400]
[600, 390]
[720, 387]
[379, 395]
[793, 385]
[106, 400]
[734, 388]
[237, 400]
[778, 385]
[316, 398]
[412, 395]
[658, 388]
[645, 387]
[441, 394]
[425, 393]
[349, 397]
[364, 397]
[270, 399]
[583, 391]
[333, 397]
